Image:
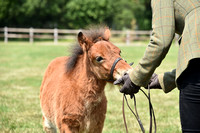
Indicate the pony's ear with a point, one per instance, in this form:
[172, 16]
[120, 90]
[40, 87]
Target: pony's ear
[107, 33]
[84, 42]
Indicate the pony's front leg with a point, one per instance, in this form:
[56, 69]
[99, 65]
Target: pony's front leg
[48, 126]
[50, 130]
[65, 129]
[70, 124]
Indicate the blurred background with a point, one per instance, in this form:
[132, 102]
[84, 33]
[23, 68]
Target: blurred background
[61, 20]
[76, 14]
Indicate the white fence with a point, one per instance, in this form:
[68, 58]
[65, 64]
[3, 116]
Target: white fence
[56, 34]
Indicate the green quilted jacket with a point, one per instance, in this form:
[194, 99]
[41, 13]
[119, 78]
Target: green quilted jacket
[170, 17]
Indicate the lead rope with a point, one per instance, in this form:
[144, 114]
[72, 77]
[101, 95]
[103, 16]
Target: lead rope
[124, 117]
[151, 111]
[135, 114]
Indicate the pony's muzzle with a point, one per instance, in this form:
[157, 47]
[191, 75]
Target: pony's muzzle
[121, 73]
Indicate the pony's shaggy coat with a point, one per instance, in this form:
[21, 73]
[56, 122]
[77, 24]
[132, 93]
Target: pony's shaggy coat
[72, 91]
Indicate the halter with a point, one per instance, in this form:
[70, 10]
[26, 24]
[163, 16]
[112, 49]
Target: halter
[113, 68]
[151, 111]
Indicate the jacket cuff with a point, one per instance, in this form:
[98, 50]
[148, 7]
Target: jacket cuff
[167, 84]
[138, 79]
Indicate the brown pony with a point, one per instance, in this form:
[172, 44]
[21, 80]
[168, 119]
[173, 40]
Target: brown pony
[72, 92]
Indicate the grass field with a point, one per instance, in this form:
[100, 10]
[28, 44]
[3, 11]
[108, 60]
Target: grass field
[21, 70]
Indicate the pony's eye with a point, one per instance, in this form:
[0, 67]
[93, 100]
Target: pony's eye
[99, 59]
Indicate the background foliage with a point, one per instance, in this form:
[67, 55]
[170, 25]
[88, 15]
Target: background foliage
[117, 14]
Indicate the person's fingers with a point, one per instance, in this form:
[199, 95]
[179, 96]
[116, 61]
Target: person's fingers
[134, 91]
[152, 85]
[154, 75]
[155, 84]
[119, 81]
[122, 90]
[131, 96]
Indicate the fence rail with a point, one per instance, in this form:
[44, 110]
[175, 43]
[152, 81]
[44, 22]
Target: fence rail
[57, 34]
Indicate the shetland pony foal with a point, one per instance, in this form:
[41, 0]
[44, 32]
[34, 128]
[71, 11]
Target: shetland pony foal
[72, 98]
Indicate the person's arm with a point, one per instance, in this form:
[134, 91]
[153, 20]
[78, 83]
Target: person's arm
[163, 25]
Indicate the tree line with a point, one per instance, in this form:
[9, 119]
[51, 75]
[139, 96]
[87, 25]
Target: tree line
[76, 14]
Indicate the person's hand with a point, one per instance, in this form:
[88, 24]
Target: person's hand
[128, 86]
[154, 82]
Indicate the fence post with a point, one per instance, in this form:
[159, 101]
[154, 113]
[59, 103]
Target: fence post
[150, 33]
[5, 34]
[55, 35]
[127, 37]
[31, 35]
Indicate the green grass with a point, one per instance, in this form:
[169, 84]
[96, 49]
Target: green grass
[21, 69]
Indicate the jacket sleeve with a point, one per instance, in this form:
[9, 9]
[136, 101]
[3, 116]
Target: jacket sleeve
[167, 80]
[163, 31]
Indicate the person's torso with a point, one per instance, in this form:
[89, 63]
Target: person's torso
[182, 8]
[187, 24]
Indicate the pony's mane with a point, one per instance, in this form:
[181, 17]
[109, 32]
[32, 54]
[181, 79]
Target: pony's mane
[94, 33]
